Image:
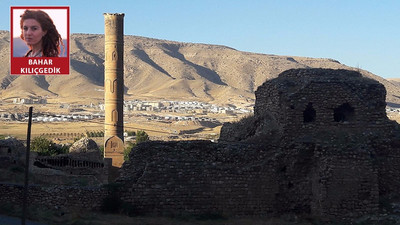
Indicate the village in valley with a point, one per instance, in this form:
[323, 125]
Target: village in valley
[150, 110]
[163, 119]
[174, 119]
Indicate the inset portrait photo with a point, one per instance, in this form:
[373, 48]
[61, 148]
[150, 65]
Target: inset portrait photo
[39, 40]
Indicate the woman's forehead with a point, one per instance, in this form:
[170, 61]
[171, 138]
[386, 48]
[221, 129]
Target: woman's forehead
[31, 22]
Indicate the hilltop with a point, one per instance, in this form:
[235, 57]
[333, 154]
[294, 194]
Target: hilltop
[161, 69]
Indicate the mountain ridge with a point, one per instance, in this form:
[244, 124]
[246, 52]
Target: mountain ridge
[163, 69]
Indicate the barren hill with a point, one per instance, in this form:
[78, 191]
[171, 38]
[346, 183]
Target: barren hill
[396, 81]
[160, 69]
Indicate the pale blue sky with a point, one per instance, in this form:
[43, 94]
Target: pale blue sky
[358, 33]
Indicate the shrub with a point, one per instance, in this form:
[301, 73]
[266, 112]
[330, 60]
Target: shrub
[128, 149]
[45, 147]
[102, 149]
[141, 136]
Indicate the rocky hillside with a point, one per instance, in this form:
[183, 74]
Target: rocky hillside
[160, 69]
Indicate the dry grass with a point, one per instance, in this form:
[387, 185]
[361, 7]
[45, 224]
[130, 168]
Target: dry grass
[19, 129]
[63, 129]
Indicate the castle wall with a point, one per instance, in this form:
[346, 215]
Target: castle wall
[388, 163]
[200, 177]
[80, 198]
[233, 179]
[196, 177]
[345, 185]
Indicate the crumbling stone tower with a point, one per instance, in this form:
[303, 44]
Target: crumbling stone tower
[114, 88]
[312, 100]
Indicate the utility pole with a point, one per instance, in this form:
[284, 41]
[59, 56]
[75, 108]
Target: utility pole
[28, 149]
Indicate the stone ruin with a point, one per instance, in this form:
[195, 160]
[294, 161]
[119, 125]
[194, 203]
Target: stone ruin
[304, 103]
[319, 144]
[83, 164]
[12, 151]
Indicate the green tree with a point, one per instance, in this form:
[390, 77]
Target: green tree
[141, 136]
[45, 147]
[102, 149]
[128, 149]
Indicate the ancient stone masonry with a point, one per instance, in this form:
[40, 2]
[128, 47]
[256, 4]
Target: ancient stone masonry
[114, 87]
[309, 100]
[79, 198]
[198, 177]
[319, 143]
[11, 151]
[84, 163]
[301, 102]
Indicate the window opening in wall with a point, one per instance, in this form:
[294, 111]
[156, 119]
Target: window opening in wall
[343, 113]
[309, 114]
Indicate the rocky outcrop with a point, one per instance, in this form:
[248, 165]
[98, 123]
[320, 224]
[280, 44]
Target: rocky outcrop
[85, 149]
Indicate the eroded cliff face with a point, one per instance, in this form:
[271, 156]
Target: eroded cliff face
[321, 146]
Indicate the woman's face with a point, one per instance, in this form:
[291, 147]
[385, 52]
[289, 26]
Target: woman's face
[32, 32]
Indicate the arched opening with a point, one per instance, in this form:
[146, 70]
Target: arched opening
[309, 114]
[343, 113]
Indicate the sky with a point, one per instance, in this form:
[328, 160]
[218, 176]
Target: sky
[358, 33]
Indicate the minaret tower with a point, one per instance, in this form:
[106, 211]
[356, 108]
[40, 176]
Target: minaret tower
[114, 88]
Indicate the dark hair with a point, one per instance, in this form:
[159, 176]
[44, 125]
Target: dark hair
[51, 41]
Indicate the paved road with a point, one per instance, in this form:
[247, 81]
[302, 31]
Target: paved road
[7, 220]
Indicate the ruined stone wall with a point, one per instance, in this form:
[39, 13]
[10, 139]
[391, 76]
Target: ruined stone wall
[388, 162]
[345, 184]
[321, 179]
[80, 198]
[200, 177]
[64, 169]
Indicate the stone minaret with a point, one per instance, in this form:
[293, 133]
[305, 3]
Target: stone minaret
[114, 87]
